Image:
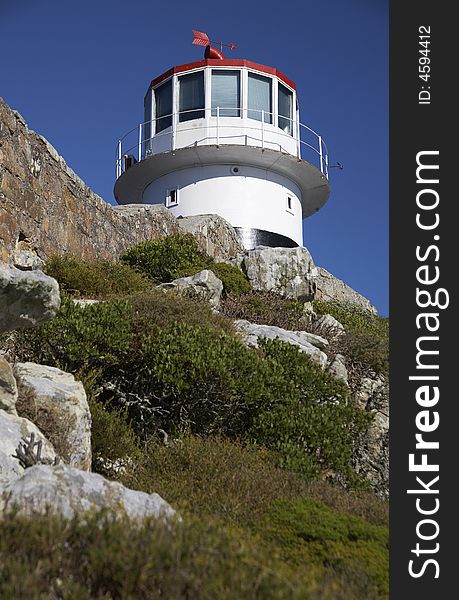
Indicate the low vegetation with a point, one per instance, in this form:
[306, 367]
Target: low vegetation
[247, 444]
[177, 256]
[95, 279]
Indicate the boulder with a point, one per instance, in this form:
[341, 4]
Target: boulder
[215, 236]
[308, 343]
[27, 298]
[63, 401]
[331, 327]
[331, 289]
[13, 431]
[286, 271]
[70, 492]
[337, 368]
[8, 388]
[205, 285]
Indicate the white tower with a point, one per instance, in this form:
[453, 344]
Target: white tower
[224, 137]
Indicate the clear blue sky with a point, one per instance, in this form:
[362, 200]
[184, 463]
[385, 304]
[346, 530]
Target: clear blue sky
[78, 70]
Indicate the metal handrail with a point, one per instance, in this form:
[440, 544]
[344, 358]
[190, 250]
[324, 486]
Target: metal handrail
[140, 147]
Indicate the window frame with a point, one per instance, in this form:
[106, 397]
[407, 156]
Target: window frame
[240, 108]
[168, 202]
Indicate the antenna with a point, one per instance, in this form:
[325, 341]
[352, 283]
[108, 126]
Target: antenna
[202, 39]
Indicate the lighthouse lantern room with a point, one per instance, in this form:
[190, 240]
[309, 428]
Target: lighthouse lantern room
[223, 136]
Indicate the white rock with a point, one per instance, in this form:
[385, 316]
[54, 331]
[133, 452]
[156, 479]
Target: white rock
[69, 492]
[204, 285]
[27, 298]
[251, 332]
[286, 271]
[330, 326]
[12, 431]
[337, 368]
[57, 393]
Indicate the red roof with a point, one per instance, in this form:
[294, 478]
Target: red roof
[211, 62]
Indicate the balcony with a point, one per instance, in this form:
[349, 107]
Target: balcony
[213, 128]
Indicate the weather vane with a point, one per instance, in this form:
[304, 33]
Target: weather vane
[202, 39]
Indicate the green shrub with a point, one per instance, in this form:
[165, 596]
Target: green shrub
[95, 278]
[314, 426]
[168, 258]
[265, 308]
[80, 338]
[306, 531]
[158, 309]
[233, 279]
[199, 378]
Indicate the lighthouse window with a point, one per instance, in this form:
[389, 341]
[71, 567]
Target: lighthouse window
[163, 106]
[226, 93]
[260, 97]
[285, 106]
[191, 96]
[171, 197]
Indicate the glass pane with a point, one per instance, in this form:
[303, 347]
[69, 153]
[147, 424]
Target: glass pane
[285, 105]
[191, 96]
[226, 93]
[260, 97]
[163, 99]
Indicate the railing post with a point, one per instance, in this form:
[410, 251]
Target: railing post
[139, 152]
[321, 155]
[326, 165]
[218, 125]
[263, 129]
[118, 162]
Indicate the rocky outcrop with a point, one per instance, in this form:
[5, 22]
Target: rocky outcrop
[46, 205]
[308, 343]
[63, 401]
[204, 285]
[70, 492]
[372, 454]
[27, 298]
[329, 288]
[286, 271]
[215, 235]
[331, 327]
[13, 431]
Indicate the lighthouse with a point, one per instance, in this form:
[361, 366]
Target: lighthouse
[224, 136]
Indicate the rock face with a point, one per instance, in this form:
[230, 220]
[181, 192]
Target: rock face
[286, 271]
[64, 401]
[372, 457]
[214, 234]
[43, 202]
[330, 288]
[69, 492]
[27, 298]
[12, 431]
[204, 285]
[308, 343]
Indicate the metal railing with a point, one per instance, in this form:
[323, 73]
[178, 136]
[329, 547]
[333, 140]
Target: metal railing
[139, 142]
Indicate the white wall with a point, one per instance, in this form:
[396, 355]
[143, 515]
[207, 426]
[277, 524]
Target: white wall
[253, 198]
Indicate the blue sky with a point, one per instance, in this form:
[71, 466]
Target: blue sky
[78, 70]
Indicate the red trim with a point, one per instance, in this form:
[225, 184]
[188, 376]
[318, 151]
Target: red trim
[224, 63]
